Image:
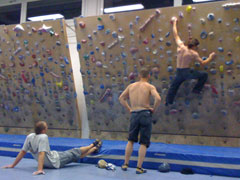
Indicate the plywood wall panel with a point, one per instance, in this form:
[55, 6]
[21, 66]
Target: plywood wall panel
[108, 70]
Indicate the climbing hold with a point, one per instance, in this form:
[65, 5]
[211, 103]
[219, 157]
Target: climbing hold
[188, 8]
[133, 50]
[130, 25]
[100, 27]
[168, 43]
[173, 111]
[102, 43]
[211, 35]
[143, 27]
[214, 90]
[237, 39]
[59, 84]
[131, 76]
[195, 115]
[210, 16]
[18, 28]
[180, 14]
[221, 68]
[236, 20]
[82, 24]
[114, 34]
[99, 64]
[213, 71]
[168, 33]
[107, 31]
[155, 51]
[145, 41]
[229, 62]
[219, 20]
[203, 34]
[220, 49]
[112, 17]
[170, 69]
[202, 20]
[78, 46]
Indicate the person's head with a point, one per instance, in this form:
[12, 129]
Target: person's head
[193, 44]
[144, 73]
[40, 127]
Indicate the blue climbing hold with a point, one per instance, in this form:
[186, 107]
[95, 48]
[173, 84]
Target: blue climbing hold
[100, 27]
[33, 81]
[78, 46]
[229, 62]
[16, 109]
[220, 49]
[66, 60]
[168, 33]
[102, 86]
[170, 69]
[50, 58]
[203, 34]
[210, 16]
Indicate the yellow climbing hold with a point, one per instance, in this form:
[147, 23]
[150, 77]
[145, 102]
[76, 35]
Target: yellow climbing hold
[59, 84]
[189, 9]
[221, 68]
[237, 39]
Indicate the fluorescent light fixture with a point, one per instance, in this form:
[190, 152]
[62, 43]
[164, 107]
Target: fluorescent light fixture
[196, 1]
[124, 8]
[46, 17]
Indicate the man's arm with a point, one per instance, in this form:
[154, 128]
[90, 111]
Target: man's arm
[157, 98]
[175, 33]
[41, 156]
[123, 99]
[204, 62]
[19, 157]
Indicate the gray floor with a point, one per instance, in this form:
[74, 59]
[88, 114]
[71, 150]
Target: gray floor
[76, 171]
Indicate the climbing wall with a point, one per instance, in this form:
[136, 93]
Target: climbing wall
[36, 81]
[114, 47]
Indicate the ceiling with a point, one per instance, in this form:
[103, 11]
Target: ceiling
[70, 8]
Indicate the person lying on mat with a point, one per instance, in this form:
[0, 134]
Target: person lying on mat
[38, 145]
[141, 116]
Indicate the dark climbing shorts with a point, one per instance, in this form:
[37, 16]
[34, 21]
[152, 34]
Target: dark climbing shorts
[141, 121]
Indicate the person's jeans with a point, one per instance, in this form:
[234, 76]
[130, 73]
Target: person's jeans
[182, 75]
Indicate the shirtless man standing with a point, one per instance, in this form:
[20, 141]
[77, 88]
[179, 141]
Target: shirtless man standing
[141, 116]
[185, 55]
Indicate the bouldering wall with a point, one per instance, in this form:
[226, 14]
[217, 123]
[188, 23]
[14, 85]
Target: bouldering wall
[36, 81]
[114, 47]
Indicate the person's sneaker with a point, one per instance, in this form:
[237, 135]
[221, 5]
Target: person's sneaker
[98, 146]
[95, 143]
[140, 170]
[124, 167]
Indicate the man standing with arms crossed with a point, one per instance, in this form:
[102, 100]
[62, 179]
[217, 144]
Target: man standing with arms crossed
[141, 116]
[185, 55]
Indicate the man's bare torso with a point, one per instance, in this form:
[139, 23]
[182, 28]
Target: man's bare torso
[139, 95]
[184, 57]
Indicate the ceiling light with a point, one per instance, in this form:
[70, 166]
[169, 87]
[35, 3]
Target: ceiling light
[46, 17]
[124, 8]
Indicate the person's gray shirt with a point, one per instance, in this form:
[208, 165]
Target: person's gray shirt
[39, 143]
